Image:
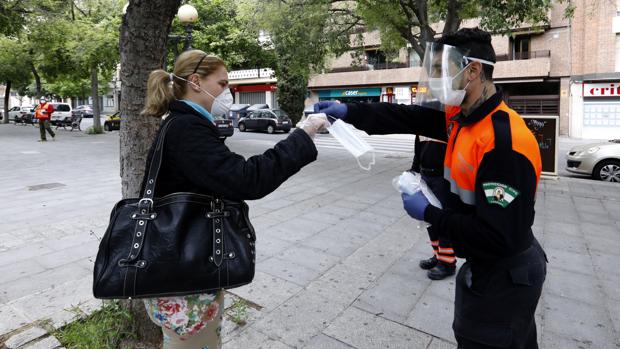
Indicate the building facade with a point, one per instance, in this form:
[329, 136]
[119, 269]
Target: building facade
[567, 69]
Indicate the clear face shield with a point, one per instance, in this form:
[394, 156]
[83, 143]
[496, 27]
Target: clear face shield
[442, 80]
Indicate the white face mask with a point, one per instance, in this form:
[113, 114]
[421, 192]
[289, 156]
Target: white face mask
[353, 143]
[221, 104]
[441, 88]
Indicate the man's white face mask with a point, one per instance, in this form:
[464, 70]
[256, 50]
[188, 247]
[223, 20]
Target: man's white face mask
[443, 89]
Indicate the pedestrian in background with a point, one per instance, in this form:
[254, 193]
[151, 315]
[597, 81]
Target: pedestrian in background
[43, 113]
[493, 165]
[428, 162]
[196, 160]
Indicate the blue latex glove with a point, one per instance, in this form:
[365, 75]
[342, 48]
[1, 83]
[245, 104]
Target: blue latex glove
[415, 204]
[336, 109]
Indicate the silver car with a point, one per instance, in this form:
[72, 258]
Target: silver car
[599, 160]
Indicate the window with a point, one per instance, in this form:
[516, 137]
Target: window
[62, 107]
[414, 59]
[617, 53]
[109, 101]
[521, 47]
[375, 57]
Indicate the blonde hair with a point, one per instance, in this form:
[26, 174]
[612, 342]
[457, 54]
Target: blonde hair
[163, 88]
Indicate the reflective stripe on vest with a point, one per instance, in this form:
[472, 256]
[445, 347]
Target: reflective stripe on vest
[467, 196]
[428, 139]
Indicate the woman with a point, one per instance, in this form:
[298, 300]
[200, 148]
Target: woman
[196, 160]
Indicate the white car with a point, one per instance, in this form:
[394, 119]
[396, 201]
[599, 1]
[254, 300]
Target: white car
[62, 112]
[17, 113]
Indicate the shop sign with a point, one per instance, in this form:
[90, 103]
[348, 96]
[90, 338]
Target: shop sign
[360, 92]
[606, 89]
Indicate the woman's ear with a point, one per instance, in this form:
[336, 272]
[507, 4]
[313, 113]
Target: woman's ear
[194, 82]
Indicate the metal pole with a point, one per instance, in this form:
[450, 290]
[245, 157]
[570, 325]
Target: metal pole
[188, 37]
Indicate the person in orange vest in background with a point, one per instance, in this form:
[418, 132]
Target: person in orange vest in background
[428, 162]
[493, 165]
[43, 113]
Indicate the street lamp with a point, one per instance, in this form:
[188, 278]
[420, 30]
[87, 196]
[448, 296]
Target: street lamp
[188, 16]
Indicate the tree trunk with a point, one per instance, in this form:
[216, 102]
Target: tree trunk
[37, 79]
[94, 80]
[143, 35]
[7, 95]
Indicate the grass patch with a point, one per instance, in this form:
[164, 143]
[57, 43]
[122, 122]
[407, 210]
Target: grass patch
[94, 130]
[239, 312]
[106, 328]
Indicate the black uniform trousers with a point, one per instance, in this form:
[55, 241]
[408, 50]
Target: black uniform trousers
[441, 188]
[495, 301]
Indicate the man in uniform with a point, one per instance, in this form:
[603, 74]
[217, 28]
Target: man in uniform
[43, 112]
[428, 162]
[493, 165]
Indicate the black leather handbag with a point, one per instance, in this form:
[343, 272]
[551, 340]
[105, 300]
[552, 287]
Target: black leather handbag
[179, 244]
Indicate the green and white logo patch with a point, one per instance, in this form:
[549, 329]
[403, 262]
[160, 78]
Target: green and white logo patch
[498, 193]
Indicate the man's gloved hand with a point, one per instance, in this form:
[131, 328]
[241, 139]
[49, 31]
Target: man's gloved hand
[334, 108]
[415, 204]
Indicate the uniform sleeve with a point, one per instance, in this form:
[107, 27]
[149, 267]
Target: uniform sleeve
[415, 166]
[50, 109]
[390, 118]
[500, 224]
[209, 164]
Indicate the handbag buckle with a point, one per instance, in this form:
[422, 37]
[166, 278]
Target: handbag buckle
[145, 205]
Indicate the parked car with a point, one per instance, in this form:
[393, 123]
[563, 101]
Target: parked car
[20, 114]
[16, 113]
[85, 111]
[243, 113]
[235, 112]
[225, 126]
[599, 160]
[266, 120]
[62, 114]
[113, 122]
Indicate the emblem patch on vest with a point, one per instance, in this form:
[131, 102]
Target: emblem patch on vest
[498, 193]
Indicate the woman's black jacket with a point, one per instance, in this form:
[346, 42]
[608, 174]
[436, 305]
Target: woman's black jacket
[196, 160]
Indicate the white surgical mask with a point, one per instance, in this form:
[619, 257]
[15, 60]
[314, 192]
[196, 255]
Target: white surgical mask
[353, 143]
[221, 104]
[441, 88]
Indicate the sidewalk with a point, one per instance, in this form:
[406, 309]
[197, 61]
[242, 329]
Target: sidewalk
[337, 255]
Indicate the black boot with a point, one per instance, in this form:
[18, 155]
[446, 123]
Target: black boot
[441, 271]
[430, 263]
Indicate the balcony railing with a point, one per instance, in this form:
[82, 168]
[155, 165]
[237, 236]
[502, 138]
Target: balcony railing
[535, 105]
[524, 55]
[366, 67]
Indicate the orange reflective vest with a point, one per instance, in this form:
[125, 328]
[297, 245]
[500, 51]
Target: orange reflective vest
[39, 111]
[493, 165]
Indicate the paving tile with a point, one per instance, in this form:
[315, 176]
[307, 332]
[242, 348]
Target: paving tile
[433, 315]
[24, 337]
[10, 319]
[251, 338]
[288, 270]
[325, 342]
[363, 330]
[300, 319]
[267, 291]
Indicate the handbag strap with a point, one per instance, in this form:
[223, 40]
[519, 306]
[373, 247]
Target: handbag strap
[151, 177]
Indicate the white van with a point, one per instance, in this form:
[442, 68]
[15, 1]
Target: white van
[62, 111]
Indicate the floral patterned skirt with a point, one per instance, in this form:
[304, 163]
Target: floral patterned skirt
[189, 321]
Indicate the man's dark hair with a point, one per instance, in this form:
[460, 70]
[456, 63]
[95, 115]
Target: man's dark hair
[474, 42]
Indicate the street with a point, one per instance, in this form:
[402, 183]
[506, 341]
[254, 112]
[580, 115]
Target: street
[337, 254]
